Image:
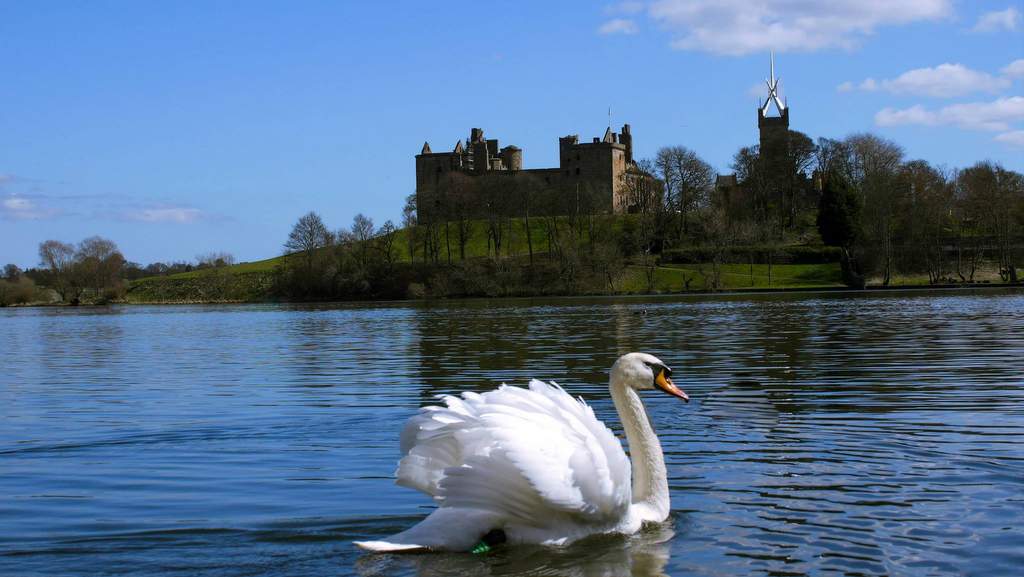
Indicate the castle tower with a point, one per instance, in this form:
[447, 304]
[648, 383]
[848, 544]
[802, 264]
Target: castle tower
[626, 138]
[774, 130]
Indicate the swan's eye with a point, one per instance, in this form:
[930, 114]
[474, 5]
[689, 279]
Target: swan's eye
[656, 368]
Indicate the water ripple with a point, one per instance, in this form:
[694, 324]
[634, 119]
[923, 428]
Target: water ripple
[855, 434]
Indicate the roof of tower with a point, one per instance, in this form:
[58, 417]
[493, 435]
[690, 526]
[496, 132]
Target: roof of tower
[608, 135]
[773, 91]
[426, 148]
[458, 148]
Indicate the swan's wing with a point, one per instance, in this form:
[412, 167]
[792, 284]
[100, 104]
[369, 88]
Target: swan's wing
[522, 453]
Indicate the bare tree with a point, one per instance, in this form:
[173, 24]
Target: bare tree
[215, 260]
[410, 225]
[385, 238]
[461, 204]
[362, 233]
[829, 157]
[688, 182]
[755, 180]
[12, 272]
[308, 235]
[99, 263]
[58, 259]
[873, 164]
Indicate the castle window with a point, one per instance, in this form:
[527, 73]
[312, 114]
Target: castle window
[577, 172]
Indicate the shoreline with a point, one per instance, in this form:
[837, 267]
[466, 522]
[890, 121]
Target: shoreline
[700, 293]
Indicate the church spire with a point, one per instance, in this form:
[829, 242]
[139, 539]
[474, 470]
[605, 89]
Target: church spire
[773, 91]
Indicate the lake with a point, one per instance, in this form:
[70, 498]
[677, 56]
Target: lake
[834, 433]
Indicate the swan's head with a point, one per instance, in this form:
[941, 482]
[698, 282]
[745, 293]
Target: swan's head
[641, 371]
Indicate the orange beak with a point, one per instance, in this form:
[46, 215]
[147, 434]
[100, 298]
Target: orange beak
[664, 383]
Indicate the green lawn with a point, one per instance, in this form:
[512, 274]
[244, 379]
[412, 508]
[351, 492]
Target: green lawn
[514, 244]
[668, 278]
[674, 277]
[266, 265]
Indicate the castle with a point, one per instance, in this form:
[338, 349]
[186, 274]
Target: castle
[479, 177]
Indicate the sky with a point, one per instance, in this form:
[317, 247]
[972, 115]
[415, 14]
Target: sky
[182, 128]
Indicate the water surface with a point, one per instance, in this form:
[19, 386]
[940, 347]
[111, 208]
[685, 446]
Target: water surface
[843, 434]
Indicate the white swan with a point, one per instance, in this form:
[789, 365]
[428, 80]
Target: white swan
[534, 465]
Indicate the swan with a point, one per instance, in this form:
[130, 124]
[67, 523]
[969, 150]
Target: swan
[534, 465]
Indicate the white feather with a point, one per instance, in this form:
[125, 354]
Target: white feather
[534, 462]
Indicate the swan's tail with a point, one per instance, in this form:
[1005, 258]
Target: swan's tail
[446, 529]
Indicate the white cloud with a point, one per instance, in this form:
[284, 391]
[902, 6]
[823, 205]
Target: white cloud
[916, 114]
[618, 26]
[1007, 19]
[179, 215]
[997, 115]
[1015, 69]
[14, 203]
[1014, 137]
[869, 85]
[942, 81]
[845, 87]
[16, 207]
[737, 27]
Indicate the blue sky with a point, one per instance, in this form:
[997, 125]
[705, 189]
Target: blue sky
[182, 128]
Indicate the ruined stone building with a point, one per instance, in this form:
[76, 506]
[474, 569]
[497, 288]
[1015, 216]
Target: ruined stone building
[478, 177]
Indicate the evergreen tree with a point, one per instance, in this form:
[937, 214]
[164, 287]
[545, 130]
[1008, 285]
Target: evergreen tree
[839, 225]
[838, 213]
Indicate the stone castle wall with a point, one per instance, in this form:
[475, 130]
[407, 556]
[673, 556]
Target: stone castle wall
[478, 177]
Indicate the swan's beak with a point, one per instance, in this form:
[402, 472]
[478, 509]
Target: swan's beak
[664, 383]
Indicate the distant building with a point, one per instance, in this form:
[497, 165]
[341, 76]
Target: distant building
[477, 176]
[775, 163]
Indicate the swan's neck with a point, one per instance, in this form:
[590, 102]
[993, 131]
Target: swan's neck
[650, 478]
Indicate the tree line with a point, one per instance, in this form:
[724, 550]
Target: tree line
[349, 262]
[94, 271]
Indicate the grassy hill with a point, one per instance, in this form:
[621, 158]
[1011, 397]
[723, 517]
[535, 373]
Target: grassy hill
[252, 281]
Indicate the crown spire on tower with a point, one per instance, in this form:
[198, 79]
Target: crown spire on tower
[773, 90]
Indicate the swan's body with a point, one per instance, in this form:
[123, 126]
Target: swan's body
[535, 464]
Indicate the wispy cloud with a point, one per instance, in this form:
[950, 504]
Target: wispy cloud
[18, 207]
[171, 214]
[1015, 69]
[24, 199]
[998, 21]
[618, 26]
[738, 27]
[1013, 137]
[996, 116]
[942, 81]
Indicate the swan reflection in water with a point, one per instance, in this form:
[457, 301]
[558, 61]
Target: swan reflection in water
[643, 554]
